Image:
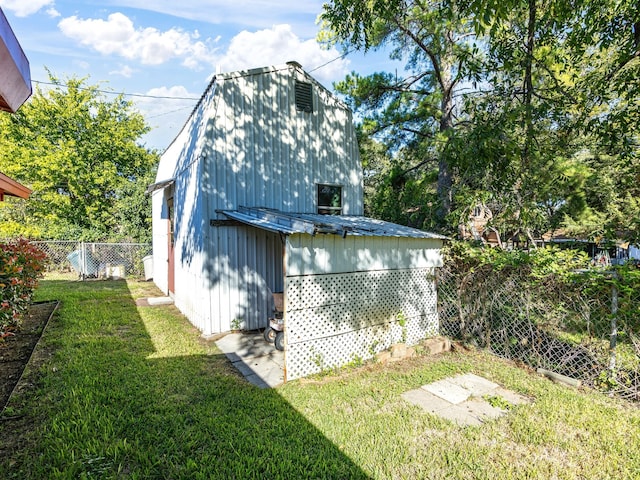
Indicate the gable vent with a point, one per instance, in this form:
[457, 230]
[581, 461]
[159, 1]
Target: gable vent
[304, 99]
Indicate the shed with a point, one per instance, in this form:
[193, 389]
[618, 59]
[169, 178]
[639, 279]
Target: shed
[261, 192]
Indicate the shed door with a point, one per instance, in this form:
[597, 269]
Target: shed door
[171, 258]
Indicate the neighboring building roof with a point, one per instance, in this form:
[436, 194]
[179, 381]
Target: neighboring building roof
[343, 225]
[8, 186]
[15, 76]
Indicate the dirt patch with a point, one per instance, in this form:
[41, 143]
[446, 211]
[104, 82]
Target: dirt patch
[16, 350]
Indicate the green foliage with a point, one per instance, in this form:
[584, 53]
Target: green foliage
[79, 154]
[498, 402]
[414, 115]
[538, 264]
[21, 265]
[543, 127]
[624, 280]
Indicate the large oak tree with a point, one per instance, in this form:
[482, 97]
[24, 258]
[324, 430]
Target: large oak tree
[81, 155]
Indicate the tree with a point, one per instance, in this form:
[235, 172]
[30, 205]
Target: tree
[79, 153]
[518, 149]
[416, 113]
[518, 105]
[605, 41]
[571, 73]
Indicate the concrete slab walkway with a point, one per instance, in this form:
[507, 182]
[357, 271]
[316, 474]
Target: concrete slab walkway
[259, 361]
[154, 301]
[463, 399]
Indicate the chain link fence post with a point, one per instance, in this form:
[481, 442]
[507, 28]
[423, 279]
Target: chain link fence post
[613, 338]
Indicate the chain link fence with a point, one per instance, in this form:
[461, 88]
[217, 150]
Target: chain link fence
[586, 331]
[96, 260]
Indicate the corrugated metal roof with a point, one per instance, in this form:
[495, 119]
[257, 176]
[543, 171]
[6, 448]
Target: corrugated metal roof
[343, 225]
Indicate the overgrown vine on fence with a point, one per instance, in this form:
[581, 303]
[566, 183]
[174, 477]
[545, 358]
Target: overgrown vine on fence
[550, 308]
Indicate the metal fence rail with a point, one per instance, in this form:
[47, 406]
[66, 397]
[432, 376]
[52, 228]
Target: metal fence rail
[96, 260]
[553, 327]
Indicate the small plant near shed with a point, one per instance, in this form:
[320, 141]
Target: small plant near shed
[373, 348]
[402, 321]
[356, 361]
[317, 359]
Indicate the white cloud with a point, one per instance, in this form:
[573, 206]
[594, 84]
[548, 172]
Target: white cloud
[24, 8]
[118, 36]
[176, 91]
[81, 64]
[279, 45]
[251, 14]
[166, 116]
[125, 71]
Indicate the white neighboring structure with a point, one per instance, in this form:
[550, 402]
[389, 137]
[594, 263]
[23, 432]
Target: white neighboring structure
[240, 210]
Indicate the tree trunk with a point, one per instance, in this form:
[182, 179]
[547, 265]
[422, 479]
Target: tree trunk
[445, 179]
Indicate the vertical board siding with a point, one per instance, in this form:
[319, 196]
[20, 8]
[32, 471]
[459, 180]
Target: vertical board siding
[246, 145]
[160, 241]
[262, 152]
[247, 269]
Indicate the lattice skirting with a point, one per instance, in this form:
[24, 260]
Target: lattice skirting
[332, 320]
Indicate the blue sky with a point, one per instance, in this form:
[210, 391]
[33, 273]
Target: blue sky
[171, 48]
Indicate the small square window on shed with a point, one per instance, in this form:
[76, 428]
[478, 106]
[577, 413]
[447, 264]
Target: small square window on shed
[329, 199]
[304, 98]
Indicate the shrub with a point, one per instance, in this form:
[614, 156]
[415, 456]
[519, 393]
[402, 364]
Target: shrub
[21, 265]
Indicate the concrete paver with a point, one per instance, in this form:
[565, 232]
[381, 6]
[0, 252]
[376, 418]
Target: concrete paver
[510, 396]
[460, 399]
[258, 361]
[460, 415]
[430, 402]
[477, 385]
[449, 391]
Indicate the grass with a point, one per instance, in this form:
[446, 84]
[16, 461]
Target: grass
[133, 392]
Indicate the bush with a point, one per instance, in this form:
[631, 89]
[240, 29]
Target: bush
[21, 265]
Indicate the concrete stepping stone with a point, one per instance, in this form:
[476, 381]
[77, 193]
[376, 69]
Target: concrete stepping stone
[449, 391]
[477, 385]
[460, 399]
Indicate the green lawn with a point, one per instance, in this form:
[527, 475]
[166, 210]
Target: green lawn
[133, 392]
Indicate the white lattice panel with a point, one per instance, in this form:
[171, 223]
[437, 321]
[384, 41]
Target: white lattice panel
[333, 319]
[310, 291]
[313, 356]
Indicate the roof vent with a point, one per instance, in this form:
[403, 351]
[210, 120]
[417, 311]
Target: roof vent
[304, 98]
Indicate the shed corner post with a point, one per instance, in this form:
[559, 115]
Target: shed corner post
[285, 244]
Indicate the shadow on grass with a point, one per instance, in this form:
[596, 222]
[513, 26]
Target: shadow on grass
[126, 392]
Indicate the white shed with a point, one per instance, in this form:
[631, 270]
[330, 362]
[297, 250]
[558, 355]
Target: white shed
[261, 192]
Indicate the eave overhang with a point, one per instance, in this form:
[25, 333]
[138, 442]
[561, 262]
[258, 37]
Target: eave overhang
[9, 186]
[15, 76]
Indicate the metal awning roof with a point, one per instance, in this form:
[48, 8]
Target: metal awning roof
[312, 224]
[15, 75]
[159, 185]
